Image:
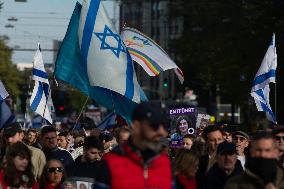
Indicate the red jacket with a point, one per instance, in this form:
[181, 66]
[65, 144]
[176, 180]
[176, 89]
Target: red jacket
[128, 170]
[185, 183]
[4, 185]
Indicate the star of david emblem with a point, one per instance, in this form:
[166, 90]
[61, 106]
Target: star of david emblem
[108, 36]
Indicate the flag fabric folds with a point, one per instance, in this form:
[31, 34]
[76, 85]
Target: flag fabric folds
[265, 75]
[93, 59]
[104, 56]
[41, 91]
[6, 115]
[148, 53]
[3, 93]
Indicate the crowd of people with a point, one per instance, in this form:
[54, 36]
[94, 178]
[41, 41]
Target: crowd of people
[139, 156]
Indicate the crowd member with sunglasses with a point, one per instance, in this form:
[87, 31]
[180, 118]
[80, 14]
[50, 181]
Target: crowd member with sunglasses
[225, 167]
[16, 170]
[87, 165]
[53, 175]
[262, 169]
[278, 134]
[139, 163]
[241, 139]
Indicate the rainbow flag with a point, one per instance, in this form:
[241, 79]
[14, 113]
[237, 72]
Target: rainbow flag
[148, 53]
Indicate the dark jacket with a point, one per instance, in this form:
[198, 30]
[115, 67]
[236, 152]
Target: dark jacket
[202, 167]
[249, 180]
[216, 178]
[81, 168]
[62, 155]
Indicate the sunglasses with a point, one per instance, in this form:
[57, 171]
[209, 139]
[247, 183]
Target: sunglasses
[236, 138]
[55, 169]
[279, 138]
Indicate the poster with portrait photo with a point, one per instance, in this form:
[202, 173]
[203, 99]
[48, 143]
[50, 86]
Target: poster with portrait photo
[82, 185]
[182, 122]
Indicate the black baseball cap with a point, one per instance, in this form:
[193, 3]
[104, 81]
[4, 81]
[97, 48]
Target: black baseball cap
[226, 148]
[150, 112]
[11, 129]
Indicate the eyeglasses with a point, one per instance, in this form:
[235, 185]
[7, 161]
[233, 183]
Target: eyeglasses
[236, 138]
[55, 169]
[279, 138]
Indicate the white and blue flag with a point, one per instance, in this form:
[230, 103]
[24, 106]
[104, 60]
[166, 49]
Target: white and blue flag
[104, 55]
[265, 75]
[3, 92]
[6, 115]
[41, 92]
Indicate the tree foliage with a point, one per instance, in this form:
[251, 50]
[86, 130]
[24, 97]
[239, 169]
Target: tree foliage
[224, 42]
[9, 74]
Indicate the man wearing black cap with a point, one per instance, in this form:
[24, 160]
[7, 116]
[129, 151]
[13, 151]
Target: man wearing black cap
[12, 134]
[138, 163]
[262, 170]
[225, 167]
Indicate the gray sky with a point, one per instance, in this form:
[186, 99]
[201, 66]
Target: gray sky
[38, 20]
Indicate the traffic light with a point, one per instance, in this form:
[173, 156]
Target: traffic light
[165, 83]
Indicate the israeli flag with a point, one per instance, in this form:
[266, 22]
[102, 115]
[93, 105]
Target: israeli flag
[265, 75]
[104, 55]
[3, 93]
[41, 91]
[6, 115]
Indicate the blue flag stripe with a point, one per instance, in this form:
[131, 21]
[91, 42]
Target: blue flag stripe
[45, 89]
[261, 78]
[37, 98]
[129, 92]
[40, 73]
[88, 29]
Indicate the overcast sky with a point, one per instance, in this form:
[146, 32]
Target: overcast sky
[38, 20]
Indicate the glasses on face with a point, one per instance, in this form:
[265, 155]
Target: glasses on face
[279, 138]
[242, 139]
[55, 169]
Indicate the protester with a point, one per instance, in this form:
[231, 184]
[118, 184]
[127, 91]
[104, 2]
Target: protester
[122, 135]
[213, 136]
[16, 171]
[278, 134]
[62, 141]
[186, 165]
[225, 167]
[241, 139]
[188, 140]
[139, 163]
[227, 133]
[32, 138]
[87, 164]
[106, 138]
[50, 148]
[262, 170]
[12, 135]
[53, 175]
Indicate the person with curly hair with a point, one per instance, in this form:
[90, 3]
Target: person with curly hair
[16, 170]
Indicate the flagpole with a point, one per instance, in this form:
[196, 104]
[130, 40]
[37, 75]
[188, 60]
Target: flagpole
[81, 112]
[275, 97]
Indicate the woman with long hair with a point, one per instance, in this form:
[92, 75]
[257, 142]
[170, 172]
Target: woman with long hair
[16, 170]
[53, 175]
[186, 165]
